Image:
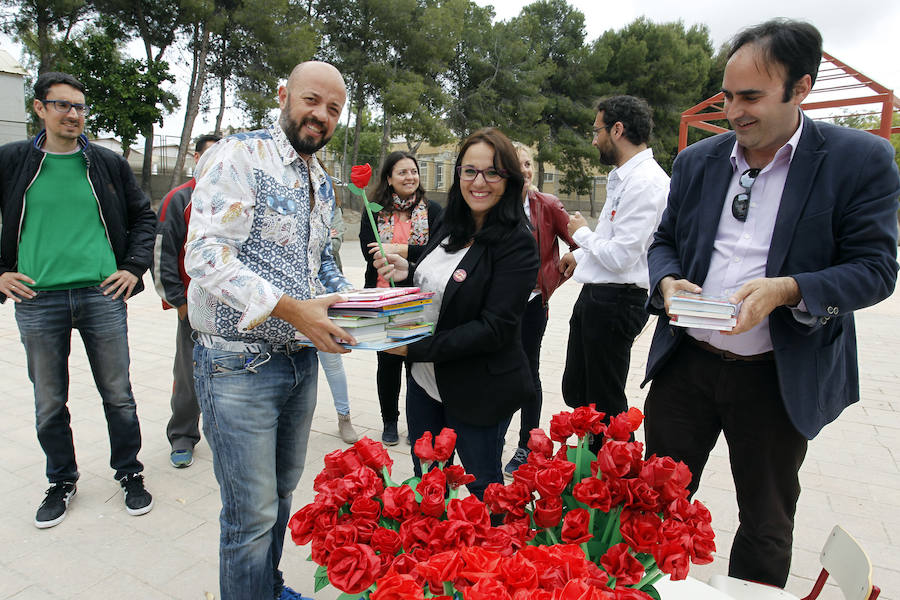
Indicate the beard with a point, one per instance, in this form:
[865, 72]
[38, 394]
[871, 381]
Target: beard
[302, 144]
[609, 155]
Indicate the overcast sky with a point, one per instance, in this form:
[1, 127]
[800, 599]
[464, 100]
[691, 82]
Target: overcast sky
[861, 33]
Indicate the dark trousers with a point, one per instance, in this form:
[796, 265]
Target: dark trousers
[694, 397]
[479, 448]
[605, 320]
[534, 323]
[390, 368]
[183, 429]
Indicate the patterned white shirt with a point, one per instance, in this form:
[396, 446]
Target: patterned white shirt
[253, 236]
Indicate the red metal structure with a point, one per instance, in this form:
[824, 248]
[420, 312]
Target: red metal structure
[837, 85]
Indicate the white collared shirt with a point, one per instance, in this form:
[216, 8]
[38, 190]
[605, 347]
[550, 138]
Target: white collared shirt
[616, 251]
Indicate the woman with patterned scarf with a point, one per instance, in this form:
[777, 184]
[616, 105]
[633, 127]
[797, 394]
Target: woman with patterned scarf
[403, 225]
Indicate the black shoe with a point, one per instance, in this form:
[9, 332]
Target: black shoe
[138, 501]
[53, 509]
[518, 459]
[390, 437]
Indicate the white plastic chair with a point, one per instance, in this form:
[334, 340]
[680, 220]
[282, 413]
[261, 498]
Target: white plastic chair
[842, 557]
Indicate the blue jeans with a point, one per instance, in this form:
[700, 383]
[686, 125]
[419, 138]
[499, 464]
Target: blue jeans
[333, 365]
[45, 327]
[257, 424]
[480, 448]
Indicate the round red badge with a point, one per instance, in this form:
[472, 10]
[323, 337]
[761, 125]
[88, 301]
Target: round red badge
[459, 276]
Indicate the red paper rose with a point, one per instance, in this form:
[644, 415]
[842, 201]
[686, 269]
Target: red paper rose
[586, 419]
[441, 567]
[386, 541]
[373, 454]
[620, 563]
[561, 427]
[552, 479]
[360, 175]
[548, 511]
[540, 443]
[624, 424]
[424, 447]
[618, 459]
[457, 476]
[444, 444]
[594, 493]
[640, 530]
[510, 498]
[399, 503]
[432, 489]
[519, 574]
[487, 589]
[365, 508]
[353, 568]
[472, 510]
[575, 526]
[398, 587]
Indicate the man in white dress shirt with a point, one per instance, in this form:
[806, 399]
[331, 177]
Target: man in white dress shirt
[611, 261]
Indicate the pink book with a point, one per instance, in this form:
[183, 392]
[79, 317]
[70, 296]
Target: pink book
[371, 294]
[406, 298]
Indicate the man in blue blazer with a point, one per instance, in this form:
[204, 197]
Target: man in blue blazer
[796, 221]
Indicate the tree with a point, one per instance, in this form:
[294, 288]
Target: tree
[42, 26]
[125, 94]
[155, 23]
[664, 64]
[554, 31]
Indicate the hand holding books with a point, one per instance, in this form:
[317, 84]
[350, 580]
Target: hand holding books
[689, 309]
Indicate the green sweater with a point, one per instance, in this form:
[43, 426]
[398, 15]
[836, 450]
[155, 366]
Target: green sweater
[63, 244]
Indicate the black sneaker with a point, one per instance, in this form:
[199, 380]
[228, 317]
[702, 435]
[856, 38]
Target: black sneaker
[390, 437]
[53, 509]
[138, 501]
[518, 459]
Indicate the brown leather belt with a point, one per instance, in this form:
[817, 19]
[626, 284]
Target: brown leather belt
[730, 356]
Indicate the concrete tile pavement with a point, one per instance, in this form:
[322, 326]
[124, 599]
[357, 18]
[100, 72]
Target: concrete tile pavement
[851, 475]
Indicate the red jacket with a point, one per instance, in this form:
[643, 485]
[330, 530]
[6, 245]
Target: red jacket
[551, 223]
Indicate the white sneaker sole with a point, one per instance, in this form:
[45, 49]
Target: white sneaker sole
[136, 512]
[57, 520]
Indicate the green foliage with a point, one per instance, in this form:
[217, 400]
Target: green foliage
[553, 32]
[369, 143]
[869, 122]
[42, 26]
[125, 94]
[668, 66]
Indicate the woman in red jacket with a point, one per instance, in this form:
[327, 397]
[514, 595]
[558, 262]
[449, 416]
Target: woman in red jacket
[549, 221]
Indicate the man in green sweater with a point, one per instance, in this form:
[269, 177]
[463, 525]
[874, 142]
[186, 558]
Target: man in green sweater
[77, 234]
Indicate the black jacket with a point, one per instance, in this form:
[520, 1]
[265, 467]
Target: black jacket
[481, 369]
[367, 236]
[124, 209]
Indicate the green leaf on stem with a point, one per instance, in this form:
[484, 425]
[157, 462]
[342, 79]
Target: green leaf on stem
[375, 207]
[321, 578]
[651, 591]
[355, 190]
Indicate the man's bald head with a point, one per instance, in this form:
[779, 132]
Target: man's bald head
[311, 104]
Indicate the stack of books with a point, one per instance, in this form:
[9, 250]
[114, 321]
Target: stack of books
[688, 309]
[381, 318]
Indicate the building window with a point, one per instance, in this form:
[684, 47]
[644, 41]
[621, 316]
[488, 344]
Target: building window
[423, 174]
[438, 176]
[548, 177]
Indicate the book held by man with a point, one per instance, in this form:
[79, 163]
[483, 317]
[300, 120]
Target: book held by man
[688, 309]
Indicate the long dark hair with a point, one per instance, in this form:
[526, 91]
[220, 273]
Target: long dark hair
[384, 192]
[504, 216]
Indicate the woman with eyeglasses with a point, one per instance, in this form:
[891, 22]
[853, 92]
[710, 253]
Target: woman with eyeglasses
[404, 225]
[472, 374]
[549, 222]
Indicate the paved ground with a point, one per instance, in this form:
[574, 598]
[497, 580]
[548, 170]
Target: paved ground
[851, 475]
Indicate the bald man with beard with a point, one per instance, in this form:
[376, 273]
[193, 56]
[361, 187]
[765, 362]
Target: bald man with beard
[258, 253]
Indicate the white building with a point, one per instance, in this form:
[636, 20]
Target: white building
[12, 99]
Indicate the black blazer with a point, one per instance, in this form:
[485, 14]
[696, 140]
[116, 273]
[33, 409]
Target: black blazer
[480, 366]
[414, 253]
[835, 234]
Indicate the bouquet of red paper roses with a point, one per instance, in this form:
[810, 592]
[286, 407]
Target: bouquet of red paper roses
[603, 528]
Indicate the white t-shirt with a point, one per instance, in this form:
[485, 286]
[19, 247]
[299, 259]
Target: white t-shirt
[432, 275]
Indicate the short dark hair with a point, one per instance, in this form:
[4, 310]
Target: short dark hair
[51, 78]
[795, 45]
[506, 215]
[384, 192]
[634, 113]
[203, 140]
